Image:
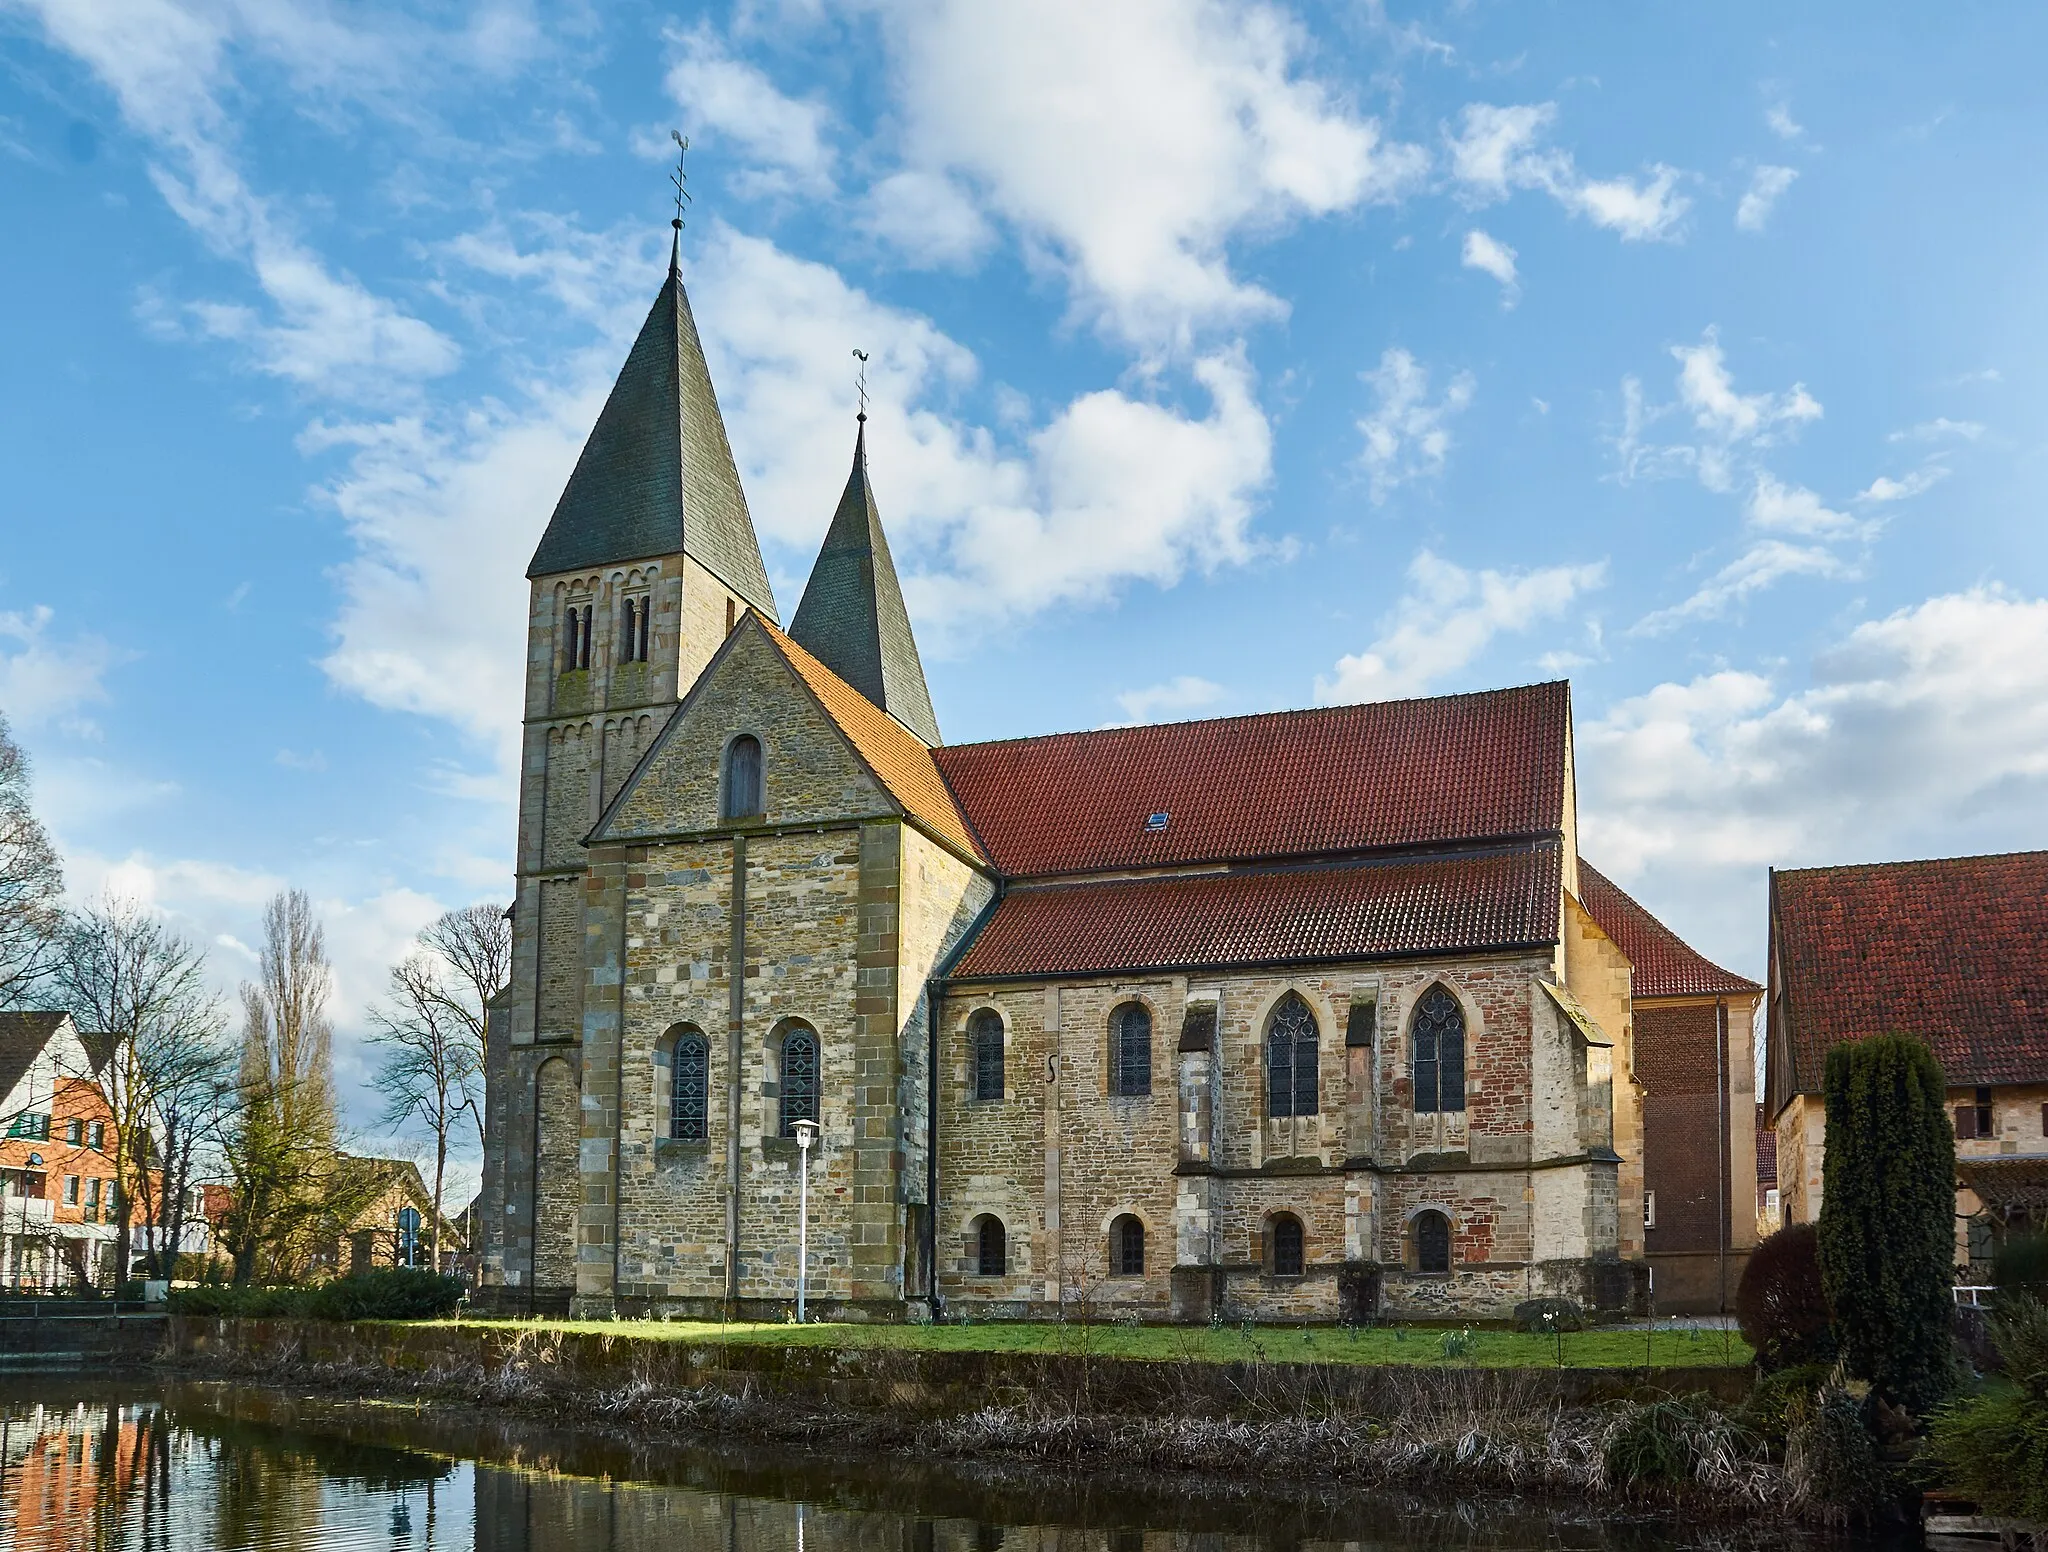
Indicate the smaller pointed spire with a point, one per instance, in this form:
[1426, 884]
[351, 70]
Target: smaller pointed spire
[852, 618]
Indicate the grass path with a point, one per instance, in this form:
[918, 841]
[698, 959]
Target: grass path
[1608, 1349]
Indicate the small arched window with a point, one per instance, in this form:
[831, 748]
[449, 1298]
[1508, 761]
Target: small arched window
[1432, 1232]
[991, 1247]
[572, 620]
[1289, 1249]
[689, 1088]
[1127, 1247]
[1291, 1059]
[799, 1088]
[633, 631]
[1130, 1050]
[985, 1040]
[743, 777]
[1439, 1044]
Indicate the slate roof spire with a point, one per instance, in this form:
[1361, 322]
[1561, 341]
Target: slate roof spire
[657, 474]
[852, 617]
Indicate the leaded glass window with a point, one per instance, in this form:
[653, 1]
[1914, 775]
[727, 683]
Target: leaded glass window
[1127, 1247]
[1289, 1252]
[743, 777]
[1432, 1242]
[985, 1041]
[799, 1078]
[689, 1089]
[1130, 1050]
[1439, 1059]
[991, 1248]
[1291, 1061]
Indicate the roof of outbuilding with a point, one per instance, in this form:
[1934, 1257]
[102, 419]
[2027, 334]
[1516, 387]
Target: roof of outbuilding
[1665, 964]
[657, 475]
[1452, 768]
[1954, 950]
[1766, 1152]
[1474, 901]
[23, 1034]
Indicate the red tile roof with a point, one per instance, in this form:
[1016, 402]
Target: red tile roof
[1766, 1157]
[1665, 964]
[1287, 784]
[1955, 951]
[1472, 901]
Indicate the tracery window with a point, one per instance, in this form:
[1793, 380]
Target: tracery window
[1291, 1059]
[1439, 1053]
[689, 1088]
[1432, 1232]
[743, 777]
[985, 1039]
[799, 1088]
[991, 1248]
[1130, 1050]
[1289, 1248]
[1127, 1247]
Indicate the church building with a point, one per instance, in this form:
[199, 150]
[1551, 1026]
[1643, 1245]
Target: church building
[1288, 1016]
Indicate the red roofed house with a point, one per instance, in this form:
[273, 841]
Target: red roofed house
[1955, 951]
[1294, 1015]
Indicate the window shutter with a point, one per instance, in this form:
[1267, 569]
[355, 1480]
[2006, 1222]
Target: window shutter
[1966, 1122]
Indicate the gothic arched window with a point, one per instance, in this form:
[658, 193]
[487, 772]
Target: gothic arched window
[1439, 1053]
[1291, 1059]
[1432, 1233]
[991, 1247]
[799, 1088]
[985, 1040]
[1130, 1050]
[689, 1088]
[1289, 1251]
[1127, 1247]
[743, 777]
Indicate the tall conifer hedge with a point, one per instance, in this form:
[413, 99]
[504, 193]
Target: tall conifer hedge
[1887, 1217]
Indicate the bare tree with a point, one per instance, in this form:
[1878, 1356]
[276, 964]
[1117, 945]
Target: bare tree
[153, 1031]
[429, 1068]
[476, 944]
[31, 884]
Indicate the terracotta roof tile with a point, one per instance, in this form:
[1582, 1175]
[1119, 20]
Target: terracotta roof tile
[1766, 1155]
[1287, 784]
[899, 759]
[1954, 950]
[1665, 964]
[1470, 901]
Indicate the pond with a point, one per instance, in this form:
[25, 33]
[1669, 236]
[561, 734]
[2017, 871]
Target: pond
[108, 1464]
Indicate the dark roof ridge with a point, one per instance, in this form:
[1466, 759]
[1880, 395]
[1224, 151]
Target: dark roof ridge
[1911, 862]
[1290, 862]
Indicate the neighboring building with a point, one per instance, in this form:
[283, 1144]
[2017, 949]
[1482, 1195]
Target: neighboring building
[1955, 951]
[59, 1198]
[1270, 1016]
[1695, 1055]
[392, 1225]
[1769, 1216]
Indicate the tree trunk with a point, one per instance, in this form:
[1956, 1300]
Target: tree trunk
[123, 1238]
[440, 1169]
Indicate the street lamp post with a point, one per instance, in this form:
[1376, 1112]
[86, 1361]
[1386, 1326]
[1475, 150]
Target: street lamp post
[806, 1134]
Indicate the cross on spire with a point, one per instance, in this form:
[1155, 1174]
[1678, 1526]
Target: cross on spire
[679, 179]
[861, 381]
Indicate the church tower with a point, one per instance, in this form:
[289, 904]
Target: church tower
[648, 561]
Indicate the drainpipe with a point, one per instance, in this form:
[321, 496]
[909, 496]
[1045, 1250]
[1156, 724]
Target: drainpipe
[736, 976]
[1723, 1186]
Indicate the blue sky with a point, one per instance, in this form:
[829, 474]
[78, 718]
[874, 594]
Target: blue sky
[1225, 357]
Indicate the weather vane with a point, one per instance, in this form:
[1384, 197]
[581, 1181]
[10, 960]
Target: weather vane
[861, 381]
[677, 177]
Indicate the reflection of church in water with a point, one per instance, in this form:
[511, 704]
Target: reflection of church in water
[1293, 1015]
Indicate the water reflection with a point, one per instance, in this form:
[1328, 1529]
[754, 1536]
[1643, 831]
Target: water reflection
[109, 1467]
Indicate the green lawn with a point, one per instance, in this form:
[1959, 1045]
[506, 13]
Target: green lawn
[1611, 1349]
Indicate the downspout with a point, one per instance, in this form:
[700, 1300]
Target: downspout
[1723, 1186]
[934, 994]
[736, 975]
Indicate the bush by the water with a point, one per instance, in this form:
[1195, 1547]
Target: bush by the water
[402, 1293]
[1993, 1447]
[1780, 1305]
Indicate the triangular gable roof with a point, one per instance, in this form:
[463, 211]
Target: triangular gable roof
[852, 617]
[23, 1035]
[657, 475]
[1448, 769]
[1665, 964]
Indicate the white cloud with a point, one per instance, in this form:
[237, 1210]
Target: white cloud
[928, 218]
[783, 137]
[1446, 619]
[1885, 488]
[1732, 426]
[1407, 437]
[1491, 256]
[1127, 144]
[1158, 702]
[1498, 150]
[1940, 429]
[1779, 117]
[1795, 509]
[1763, 563]
[45, 681]
[1766, 184]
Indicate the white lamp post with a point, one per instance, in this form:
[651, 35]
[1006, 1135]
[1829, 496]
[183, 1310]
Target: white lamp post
[806, 1134]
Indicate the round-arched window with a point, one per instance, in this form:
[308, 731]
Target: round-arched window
[1127, 1247]
[799, 1091]
[1289, 1250]
[1130, 1049]
[985, 1048]
[742, 778]
[991, 1247]
[689, 1088]
[1432, 1231]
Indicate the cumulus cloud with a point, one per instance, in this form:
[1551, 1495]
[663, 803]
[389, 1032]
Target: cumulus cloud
[1447, 617]
[46, 681]
[1491, 256]
[1885, 488]
[928, 218]
[1407, 435]
[1497, 150]
[1163, 702]
[1766, 184]
[784, 138]
[1794, 509]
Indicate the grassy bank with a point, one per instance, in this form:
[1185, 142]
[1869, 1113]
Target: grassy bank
[1657, 1348]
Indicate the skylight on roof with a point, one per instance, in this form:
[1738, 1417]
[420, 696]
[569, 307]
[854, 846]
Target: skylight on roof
[1156, 821]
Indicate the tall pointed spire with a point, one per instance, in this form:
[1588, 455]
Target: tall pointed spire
[852, 617]
[657, 474]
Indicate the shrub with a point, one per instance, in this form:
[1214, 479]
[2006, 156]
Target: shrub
[1673, 1442]
[2020, 1265]
[243, 1303]
[1831, 1460]
[1780, 1399]
[1780, 1305]
[1887, 1217]
[401, 1293]
[1548, 1315]
[1993, 1447]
